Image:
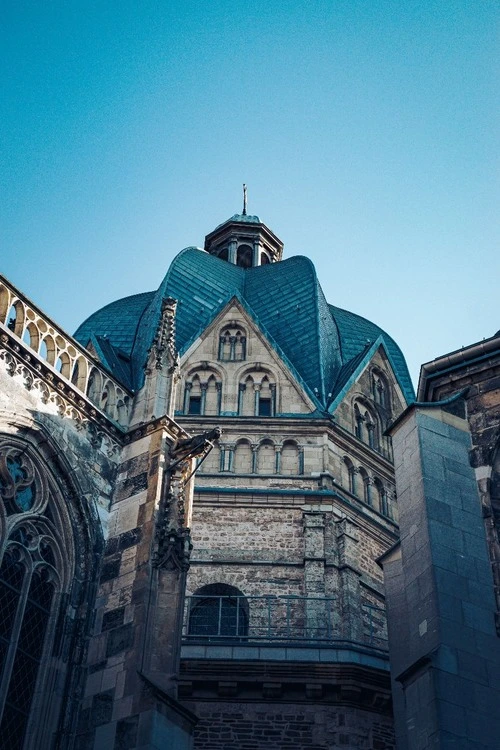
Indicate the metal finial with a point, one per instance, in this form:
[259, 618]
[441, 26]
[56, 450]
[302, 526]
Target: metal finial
[244, 199]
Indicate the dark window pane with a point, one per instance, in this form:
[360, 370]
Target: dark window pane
[195, 405]
[264, 407]
[218, 616]
[13, 727]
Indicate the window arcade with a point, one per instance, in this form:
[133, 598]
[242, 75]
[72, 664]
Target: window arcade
[232, 344]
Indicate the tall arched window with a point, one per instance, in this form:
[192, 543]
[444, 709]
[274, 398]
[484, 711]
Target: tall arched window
[351, 475]
[266, 458]
[366, 424]
[380, 389]
[290, 463]
[244, 256]
[243, 457]
[367, 486]
[381, 497]
[37, 574]
[218, 611]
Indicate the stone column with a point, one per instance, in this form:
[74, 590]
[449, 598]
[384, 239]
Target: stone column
[349, 575]
[256, 388]
[277, 465]
[187, 394]
[254, 458]
[203, 402]
[316, 614]
[231, 252]
[218, 386]
[241, 393]
[257, 248]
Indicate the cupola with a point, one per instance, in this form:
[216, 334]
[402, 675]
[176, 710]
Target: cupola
[244, 240]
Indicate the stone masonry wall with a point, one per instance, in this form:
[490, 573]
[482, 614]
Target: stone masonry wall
[287, 726]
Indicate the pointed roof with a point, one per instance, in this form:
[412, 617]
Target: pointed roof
[286, 300]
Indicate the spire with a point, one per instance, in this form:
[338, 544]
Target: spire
[244, 199]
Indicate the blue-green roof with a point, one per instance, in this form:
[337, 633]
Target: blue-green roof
[320, 343]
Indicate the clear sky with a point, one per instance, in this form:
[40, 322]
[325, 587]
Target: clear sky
[367, 132]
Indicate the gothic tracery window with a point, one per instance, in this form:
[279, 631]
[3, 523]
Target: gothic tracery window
[30, 584]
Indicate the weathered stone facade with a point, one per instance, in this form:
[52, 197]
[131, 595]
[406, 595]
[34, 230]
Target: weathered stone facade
[98, 509]
[282, 639]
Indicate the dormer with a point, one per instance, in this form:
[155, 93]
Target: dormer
[244, 241]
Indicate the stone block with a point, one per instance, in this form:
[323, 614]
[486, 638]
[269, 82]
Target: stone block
[113, 618]
[451, 718]
[102, 708]
[110, 568]
[446, 659]
[473, 667]
[126, 733]
[475, 546]
[479, 618]
[120, 639]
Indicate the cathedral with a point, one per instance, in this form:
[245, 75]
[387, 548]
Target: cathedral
[198, 507]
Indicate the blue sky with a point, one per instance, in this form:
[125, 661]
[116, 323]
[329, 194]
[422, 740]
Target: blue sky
[367, 132]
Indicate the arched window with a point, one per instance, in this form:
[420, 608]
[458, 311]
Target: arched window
[367, 494]
[94, 386]
[243, 457]
[380, 496]
[63, 364]
[366, 424]
[37, 572]
[266, 458]
[265, 401]
[380, 389]
[351, 475]
[232, 344]
[15, 318]
[244, 256]
[290, 458]
[218, 611]
[257, 394]
[264, 259]
[203, 393]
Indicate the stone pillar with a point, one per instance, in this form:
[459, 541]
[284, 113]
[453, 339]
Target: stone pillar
[241, 393]
[257, 247]
[203, 402]
[272, 388]
[254, 458]
[231, 252]
[130, 696]
[277, 465]
[218, 386]
[316, 615]
[349, 575]
[444, 651]
[256, 398]
[187, 394]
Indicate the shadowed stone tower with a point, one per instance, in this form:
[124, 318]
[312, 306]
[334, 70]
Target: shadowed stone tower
[284, 633]
[95, 499]
[441, 580]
